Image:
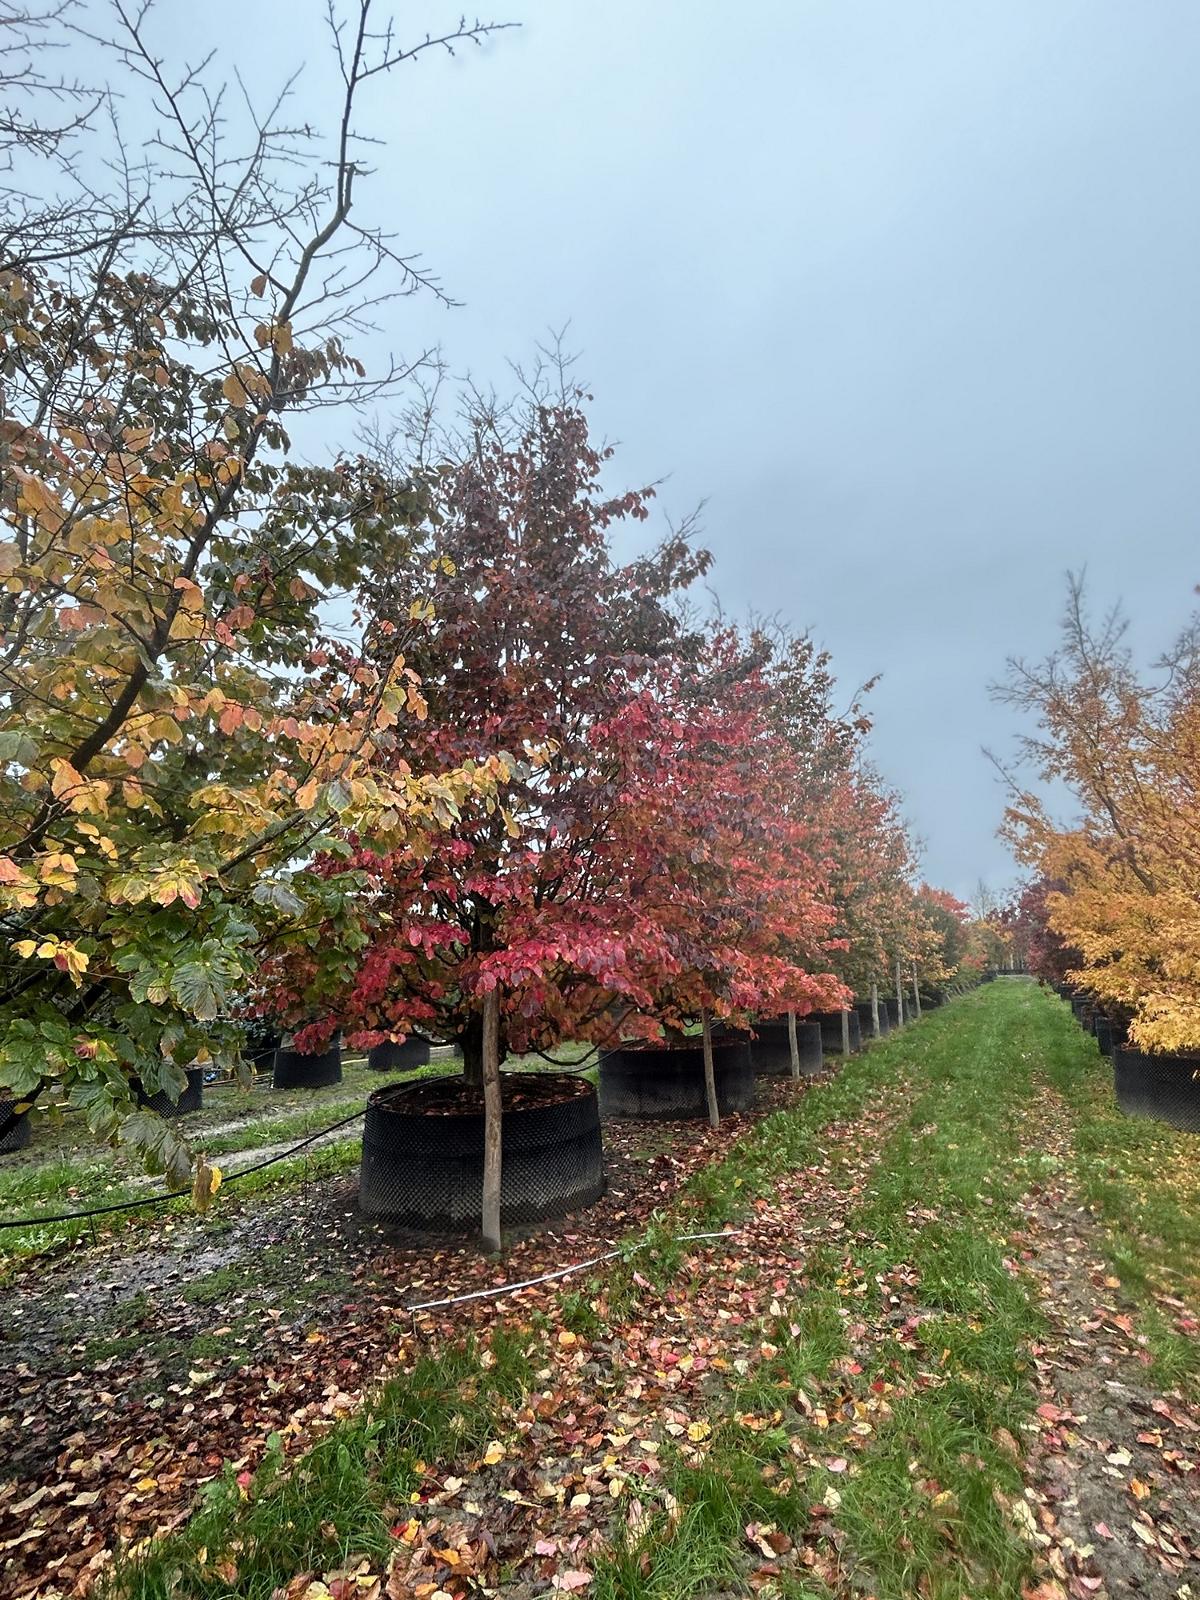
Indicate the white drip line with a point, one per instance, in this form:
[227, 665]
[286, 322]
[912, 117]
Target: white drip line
[561, 1272]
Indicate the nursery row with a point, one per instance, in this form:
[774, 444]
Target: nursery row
[1163, 1085]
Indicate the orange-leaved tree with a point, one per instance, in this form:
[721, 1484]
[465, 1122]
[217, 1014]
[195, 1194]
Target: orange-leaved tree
[1127, 747]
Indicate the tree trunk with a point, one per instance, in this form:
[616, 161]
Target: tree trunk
[875, 1009]
[916, 991]
[710, 1079]
[899, 996]
[845, 1031]
[492, 1119]
[470, 1042]
[793, 1044]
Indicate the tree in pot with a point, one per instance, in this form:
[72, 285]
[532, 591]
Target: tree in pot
[536, 643]
[737, 887]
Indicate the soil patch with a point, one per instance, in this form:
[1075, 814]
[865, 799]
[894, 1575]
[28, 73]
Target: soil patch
[1114, 1478]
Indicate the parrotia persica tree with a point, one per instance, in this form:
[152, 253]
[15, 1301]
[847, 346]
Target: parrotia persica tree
[738, 873]
[947, 948]
[854, 822]
[1043, 951]
[178, 726]
[1124, 875]
[648, 863]
[537, 643]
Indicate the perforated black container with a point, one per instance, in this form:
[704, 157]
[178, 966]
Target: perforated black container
[668, 1080]
[192, 1098]
[390, 1057]
[831, 1031]
[1166, 1087]
[892, 1007]
[1104, 1035]
[424, 1170]
[18, 1131]
[771, 1051]
[293, 1070]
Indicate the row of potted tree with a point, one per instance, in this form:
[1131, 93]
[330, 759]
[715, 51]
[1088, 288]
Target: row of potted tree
[1111, 917]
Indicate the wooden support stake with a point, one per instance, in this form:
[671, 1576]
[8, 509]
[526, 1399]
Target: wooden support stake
[899, 996]
[916, 992]
[492, 1119]
[845, 1030]
[710, 1079]
[875, 1009]
[793, 1044]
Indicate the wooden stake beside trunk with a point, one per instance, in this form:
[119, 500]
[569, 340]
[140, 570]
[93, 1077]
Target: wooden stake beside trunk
[793, 1044]
[916, 992]
[710, 1080]
[845, 1030]
[492, 1119]
[875, 1009]
[899, 995]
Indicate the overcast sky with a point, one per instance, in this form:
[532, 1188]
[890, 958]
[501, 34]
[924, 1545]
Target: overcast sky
[906, 292]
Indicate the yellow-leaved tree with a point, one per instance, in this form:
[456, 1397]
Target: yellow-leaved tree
[187, 714]
[1126, 746]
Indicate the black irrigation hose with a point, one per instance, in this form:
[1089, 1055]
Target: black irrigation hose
[176, 1194]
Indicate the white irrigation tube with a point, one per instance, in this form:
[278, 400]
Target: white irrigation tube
[560, 1272]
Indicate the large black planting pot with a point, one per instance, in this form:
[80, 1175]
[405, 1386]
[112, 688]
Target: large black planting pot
[866, 1021]
[294, 1070]
[668, 1080]
[892, 1008]
[17, 1136]
[422, 1152]
[391, 1057]
[771, 1051]
[192, 1098]
[1165, 1087]
[1104, 1035]
[831, 1031]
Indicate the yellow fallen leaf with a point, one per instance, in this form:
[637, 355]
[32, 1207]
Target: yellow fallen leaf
[493, 1453]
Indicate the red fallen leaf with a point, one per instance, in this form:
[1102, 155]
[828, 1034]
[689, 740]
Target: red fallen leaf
[1103, 1529]
[574, 1578]
[1051, 1413]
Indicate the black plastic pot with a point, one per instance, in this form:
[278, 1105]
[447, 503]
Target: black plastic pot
[1166, 1087]
[831, 1031]
[18, 1134]
[892, 1007]
[668, 1080]
[293, 1070]
[1104, 1035]
[771, 1051]
[424, 1170]
[390, 1057]
[866, 1022]
[192, 1098]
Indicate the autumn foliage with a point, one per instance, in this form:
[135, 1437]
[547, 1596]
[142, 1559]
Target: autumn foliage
[1116, 887]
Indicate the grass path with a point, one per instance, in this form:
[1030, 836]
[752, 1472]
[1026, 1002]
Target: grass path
[947, 1349]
